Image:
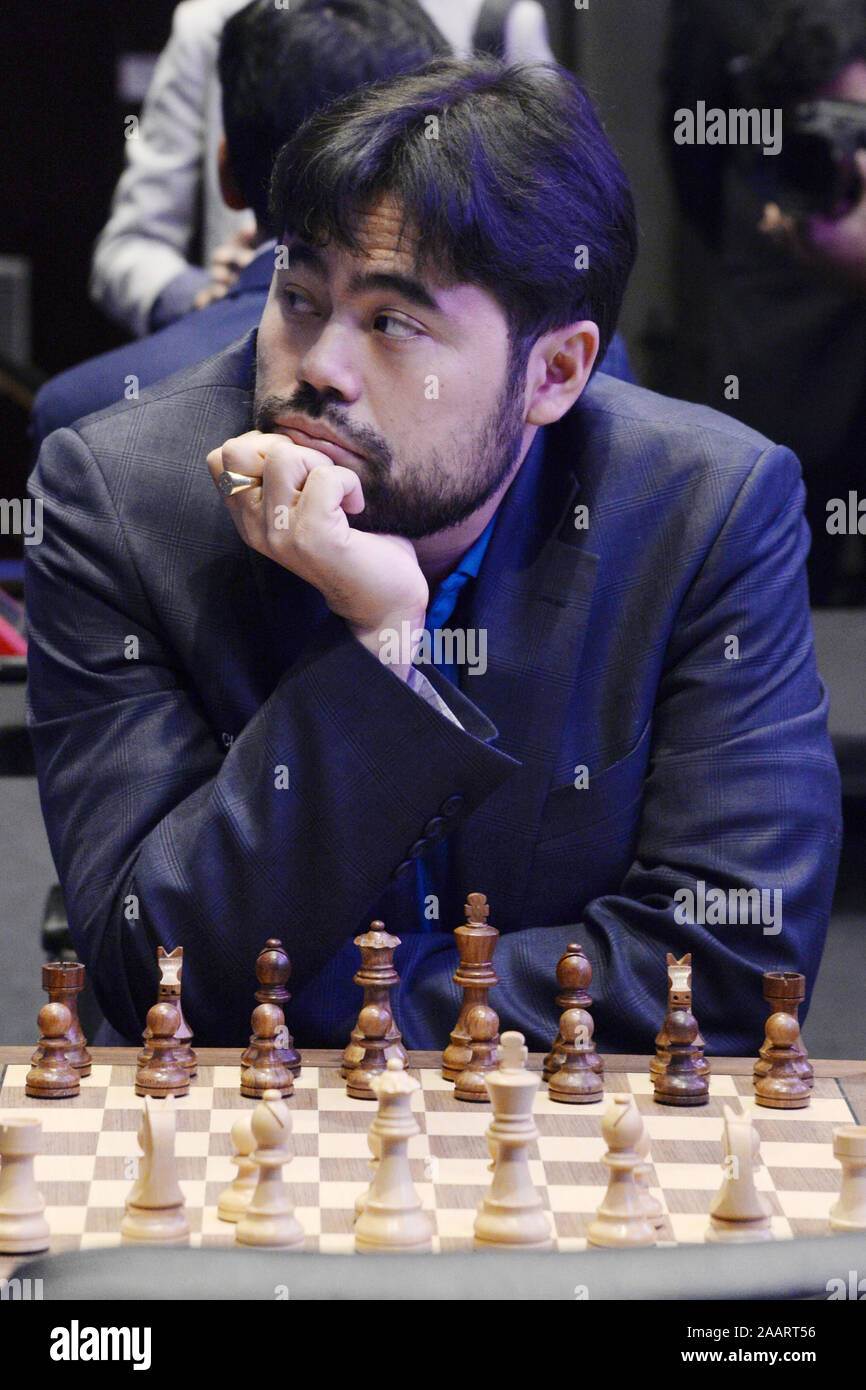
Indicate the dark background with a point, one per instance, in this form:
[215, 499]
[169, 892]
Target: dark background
[61, 133]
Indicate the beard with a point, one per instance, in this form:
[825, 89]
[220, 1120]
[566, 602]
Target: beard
[419, 499]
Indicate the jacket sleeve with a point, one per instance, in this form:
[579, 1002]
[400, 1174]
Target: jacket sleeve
[742, 792]
[162, 836]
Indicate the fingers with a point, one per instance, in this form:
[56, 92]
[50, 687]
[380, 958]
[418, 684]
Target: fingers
[233, 257]
[317, 492]
[240, 455]
[330, 490]
[775, 223]
[252, 453]
[208, 295]
[228, 261]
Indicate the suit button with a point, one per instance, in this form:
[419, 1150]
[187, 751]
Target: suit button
[418, 849]
[435, 828]
[402, 868]
[452, 805]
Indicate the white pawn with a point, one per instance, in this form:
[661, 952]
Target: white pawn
[23, 1228]
[652, 1206]
[270, 1219]
[155, 1205]
[234, 1199]
[849, 1148]
[393, 1217]
[511, 1214]
[621, 1219]
[738, 1211]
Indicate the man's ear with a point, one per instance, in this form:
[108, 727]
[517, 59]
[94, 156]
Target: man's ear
[558, 369]
[228, 184]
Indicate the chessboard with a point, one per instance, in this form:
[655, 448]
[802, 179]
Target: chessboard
[90, 1150]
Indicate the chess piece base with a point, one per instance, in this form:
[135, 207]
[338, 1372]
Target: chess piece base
[576, 1088]
[359, 1082]
[470, 1086]
[518, 1229]
[721, 1232]
[612, 1235]
[158, 1091]
[233, 1205]
[684, 1097]
[166, 1228]
[39, 1090]
[837, 1223]
[260, 1229]
[24, 1234]
[379, 1232]
[455, 1060]
[783, 1102]
[255, 1090]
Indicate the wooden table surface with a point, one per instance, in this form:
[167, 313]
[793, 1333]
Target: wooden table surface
[850, 1074]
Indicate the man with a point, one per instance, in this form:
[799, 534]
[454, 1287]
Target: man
[230, 736]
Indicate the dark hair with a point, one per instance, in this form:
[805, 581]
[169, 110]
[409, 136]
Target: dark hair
[521, 174]
[809, 43]
[277, 66]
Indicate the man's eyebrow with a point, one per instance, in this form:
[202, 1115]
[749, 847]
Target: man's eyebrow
[301, 253]
[404, 285]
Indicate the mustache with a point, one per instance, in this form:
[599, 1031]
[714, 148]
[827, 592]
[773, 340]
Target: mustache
[306, 400]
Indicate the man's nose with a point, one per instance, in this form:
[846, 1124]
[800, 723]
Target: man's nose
[330, 363]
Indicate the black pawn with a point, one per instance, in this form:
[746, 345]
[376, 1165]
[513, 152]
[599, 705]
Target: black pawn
[374, 1023]
[483, 1024]
[684, 1080]
[53, 1077]
[160, 1073]
[267, 1072]
[782, 1087]
[576, 1082]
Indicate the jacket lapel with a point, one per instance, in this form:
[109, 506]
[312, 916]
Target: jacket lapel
[533, 596]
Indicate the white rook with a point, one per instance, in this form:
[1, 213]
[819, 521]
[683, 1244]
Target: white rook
[23, 1228]
[849, 1147]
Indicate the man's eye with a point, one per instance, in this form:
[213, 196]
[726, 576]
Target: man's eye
[393, 327]
[297, 303]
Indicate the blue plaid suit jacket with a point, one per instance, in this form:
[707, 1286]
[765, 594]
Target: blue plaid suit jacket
[173, 671]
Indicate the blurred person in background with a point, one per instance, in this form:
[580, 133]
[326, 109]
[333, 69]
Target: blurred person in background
[141, 274]
[787, 309]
